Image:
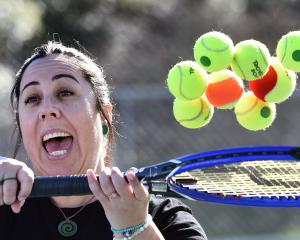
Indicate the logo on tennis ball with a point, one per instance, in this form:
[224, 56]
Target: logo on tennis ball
[265, 112]
[192, 71]
[296, 55]
[205, 61]
[256, 71]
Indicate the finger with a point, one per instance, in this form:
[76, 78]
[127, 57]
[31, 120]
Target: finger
[26, 179]
[120, 184]
[106, 182]
[132, 169]
[10, 186]
[17, 205]
[139, 190]
[95, 186]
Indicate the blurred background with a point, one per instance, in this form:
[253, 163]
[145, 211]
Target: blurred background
[137, 42]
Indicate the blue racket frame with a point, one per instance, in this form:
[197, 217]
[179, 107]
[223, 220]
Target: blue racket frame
[234, 200]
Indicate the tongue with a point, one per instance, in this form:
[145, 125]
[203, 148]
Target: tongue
[58, 144]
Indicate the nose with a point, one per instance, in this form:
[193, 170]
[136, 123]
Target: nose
[49, 110]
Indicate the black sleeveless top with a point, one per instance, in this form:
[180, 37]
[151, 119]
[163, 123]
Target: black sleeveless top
[39, 219]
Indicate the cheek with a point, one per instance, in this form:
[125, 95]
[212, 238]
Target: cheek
[89, 121]
[26, 125]
[28, 136]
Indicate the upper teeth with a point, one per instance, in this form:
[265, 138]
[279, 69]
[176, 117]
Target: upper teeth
[54, 135]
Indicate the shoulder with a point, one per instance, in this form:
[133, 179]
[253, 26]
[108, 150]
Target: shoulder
[175, 219]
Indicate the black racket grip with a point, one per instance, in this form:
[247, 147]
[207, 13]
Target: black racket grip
[76, 185]
[60, 186]
[50, 186]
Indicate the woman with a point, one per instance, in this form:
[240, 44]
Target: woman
[64, 117]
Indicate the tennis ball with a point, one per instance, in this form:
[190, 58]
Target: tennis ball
[251, 59]
[193, 114]
[187, 80]
[254, 114]
[288, 50]
[276, 85]
[213, 51]
[224, 89]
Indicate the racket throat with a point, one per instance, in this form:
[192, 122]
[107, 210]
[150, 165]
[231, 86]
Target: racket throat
[160, 189]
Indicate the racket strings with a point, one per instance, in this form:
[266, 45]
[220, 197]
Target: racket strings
[266, 178]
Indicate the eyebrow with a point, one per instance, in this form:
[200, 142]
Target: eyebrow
[56, 77]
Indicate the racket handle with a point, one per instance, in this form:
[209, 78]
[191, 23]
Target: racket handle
[78, 185]
[60, 186]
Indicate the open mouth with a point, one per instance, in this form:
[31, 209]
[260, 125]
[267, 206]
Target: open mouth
[58, 144]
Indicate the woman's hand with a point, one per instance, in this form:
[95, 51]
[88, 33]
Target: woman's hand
[125, 203]
[13, 172]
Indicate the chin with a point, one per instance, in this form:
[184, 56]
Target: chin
[50, 170]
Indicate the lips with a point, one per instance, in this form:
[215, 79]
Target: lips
[57, 144]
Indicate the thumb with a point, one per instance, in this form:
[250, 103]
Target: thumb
[17, 205]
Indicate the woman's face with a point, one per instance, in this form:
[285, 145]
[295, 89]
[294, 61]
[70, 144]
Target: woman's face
[60, 126]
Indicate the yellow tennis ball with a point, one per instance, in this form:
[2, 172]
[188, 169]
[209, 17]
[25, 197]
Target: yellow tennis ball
[277, 85]
[193, 114]
[251, 59]
[254, 114]
[213, 51]
[187, 80]
[288, 50]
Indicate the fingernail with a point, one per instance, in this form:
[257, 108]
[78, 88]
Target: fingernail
[130, 176]
[107, 171]
[89, 172]
[16, 210]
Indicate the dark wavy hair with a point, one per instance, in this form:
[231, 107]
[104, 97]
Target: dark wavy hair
[91, 71]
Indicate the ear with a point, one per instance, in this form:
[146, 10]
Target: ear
[107, 108]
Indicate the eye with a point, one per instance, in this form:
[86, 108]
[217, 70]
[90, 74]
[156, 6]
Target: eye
[31, 99]
[65, 93]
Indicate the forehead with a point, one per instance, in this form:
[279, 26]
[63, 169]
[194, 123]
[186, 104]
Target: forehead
[49, 66]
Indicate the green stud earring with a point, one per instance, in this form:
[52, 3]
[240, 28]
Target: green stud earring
[105, 129]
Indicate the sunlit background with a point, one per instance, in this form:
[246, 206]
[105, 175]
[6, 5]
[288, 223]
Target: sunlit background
[137, 42]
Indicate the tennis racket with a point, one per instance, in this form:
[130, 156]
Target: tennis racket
[267, 176]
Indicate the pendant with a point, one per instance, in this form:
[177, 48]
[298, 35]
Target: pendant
[67, 228]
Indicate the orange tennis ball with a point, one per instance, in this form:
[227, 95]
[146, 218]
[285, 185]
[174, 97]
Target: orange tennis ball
[276, 85]
[224, 89]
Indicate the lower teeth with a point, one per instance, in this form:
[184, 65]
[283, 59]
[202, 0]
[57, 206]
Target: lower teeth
[56, 153]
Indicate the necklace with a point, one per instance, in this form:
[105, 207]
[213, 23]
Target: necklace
[67, 227]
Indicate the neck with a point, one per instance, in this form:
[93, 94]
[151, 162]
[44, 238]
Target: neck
[72, 201]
